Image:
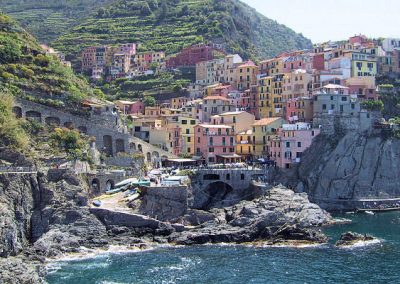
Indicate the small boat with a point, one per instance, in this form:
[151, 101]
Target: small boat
[97, 203]
[125, 182]
[369, 212]
[142, 182]
[112, 191]
[133, 197]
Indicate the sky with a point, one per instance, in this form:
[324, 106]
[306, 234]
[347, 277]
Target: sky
[323, 20]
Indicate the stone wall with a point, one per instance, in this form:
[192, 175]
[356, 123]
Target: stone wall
[165, 203]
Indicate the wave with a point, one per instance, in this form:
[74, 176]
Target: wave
[362, 244]
[87, 253]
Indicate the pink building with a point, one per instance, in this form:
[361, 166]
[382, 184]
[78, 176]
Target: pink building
[222, 91]
[215, 143]
[128, 48]
[290, 142]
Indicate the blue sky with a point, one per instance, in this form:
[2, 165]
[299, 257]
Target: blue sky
[322, 20]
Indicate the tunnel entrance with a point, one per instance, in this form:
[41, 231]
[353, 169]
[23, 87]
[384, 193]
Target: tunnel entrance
[217, 193]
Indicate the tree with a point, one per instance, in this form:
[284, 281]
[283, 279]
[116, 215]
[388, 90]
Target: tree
[145, 10]
[149, 101]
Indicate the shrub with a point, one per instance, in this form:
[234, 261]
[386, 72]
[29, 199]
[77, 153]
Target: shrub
[373, 105]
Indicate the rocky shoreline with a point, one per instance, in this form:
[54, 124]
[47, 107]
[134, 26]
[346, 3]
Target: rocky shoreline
[47, 216]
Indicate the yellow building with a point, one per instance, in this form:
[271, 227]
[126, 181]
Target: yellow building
[246, 75]
[263, 130]
[187, 124]
[270, 91]
[244, 143]
[362, 64]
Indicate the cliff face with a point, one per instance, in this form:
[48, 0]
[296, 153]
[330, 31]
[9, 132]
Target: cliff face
[359, 166]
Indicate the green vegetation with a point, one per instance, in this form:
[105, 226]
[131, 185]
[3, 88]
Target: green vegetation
[140, 87]
[47, 20]
[11, 129]
[171, 25]
[27, 72]
[69, 141]
[373, 105]
[149, 101]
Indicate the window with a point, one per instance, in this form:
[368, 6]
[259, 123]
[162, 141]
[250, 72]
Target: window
[228, 176]
[189, 150]
[324, 106]
[344, 99]
[193, 122]
[211, 141]
[299, 144]
[242, 176]
[298, 154]
[332, 107]
[211, 150]
[287, 144]
[187, 131]
[198, 140]
[184, 122]
[188, 139]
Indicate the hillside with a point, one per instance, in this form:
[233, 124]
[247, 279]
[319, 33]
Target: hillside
[47, 20]
[171, 25]
[26, 71]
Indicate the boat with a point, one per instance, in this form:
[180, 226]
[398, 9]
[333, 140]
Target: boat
[97, 203]
[369, 212]
[133, 197]
[112, 191]
[142, 182]
[125, 182]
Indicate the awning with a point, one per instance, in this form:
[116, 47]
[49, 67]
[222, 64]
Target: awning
[233, 156]
[181, 160]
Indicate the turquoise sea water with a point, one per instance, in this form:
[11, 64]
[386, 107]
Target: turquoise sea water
[378, 263]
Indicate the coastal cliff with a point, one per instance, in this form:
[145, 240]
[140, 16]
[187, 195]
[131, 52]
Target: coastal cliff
[46, 214]
[339, 172]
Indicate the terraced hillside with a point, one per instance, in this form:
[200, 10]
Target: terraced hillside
[27, 72]
[48, 19]
[171, 25]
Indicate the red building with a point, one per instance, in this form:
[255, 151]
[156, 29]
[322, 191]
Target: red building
[319, 61]
[191, 56]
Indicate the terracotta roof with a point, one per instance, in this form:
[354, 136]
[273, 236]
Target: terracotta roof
[266, 121]
[248, 64]
[215, 98]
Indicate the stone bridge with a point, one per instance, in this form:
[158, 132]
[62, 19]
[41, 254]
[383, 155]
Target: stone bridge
[223, 187]
[111, 138]
[103, 181]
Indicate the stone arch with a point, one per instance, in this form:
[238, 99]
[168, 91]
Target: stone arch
[52, 121]
[110, 184]
[216, 193]
[211, 177]
[132, 146]
[120, 145]
[148, 157]
[33, 116]
[107, 145]
[155, 155]
[17, 111]
[82, 129]
[95, 186]
[140, 148]
[69, 125]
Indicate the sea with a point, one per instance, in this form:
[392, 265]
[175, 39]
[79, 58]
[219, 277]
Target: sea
[376, 262]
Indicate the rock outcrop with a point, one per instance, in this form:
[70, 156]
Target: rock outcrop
[280, 215]
[349, 239]
[359, 166]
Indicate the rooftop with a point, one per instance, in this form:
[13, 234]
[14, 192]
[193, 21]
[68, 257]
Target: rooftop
[266, 121]
[215, 126]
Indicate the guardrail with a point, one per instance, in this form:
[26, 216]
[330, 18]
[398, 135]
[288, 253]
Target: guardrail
[6, 169]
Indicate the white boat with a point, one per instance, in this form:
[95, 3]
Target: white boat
[369, 213]
[125, 182]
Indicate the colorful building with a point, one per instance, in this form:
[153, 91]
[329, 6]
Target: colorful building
[215, 143]
[263, 130]
[246, 75]
[289, 144]
[239, 120]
